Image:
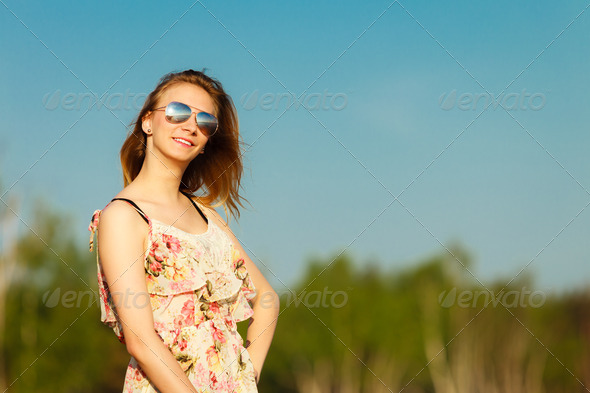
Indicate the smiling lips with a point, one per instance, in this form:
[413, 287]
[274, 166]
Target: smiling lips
[184, 142]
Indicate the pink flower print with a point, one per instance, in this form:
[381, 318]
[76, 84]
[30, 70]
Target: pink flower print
[187, 314]
[205, 311]
[225, 385]
[178, 321]
[159, 326]
[188, 309]
[232, 385]
[182, 344]
[230, 323]
[201, 376]
[139, 376]
[172, 243]
[214, 307]
[155, 267]
[213, 362]
[134, 374]
[160, 250]
[176, 286]
[157, 252]
[212, 379]
[218, 335]
[156, 301]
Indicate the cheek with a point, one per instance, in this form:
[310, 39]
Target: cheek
[161, 122]
[162, 129]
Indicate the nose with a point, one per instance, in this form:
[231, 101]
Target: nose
[191, 124]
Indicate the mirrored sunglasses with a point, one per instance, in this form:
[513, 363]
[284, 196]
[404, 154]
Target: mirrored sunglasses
[177, 112]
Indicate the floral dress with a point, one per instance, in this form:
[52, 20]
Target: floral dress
[198, 289]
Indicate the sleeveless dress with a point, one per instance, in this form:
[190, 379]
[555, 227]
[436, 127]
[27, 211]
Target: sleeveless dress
[198, 289]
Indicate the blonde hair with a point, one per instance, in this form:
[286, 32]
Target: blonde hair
[217, 173]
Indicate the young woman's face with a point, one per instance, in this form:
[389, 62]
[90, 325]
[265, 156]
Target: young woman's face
[165, 135]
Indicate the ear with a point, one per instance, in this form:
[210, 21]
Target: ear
[146, 123]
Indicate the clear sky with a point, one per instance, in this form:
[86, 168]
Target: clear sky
[393, 101]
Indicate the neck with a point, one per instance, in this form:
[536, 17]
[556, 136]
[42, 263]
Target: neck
[160, 178]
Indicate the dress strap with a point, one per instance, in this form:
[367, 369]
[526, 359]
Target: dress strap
[141, 213]
[196, 207]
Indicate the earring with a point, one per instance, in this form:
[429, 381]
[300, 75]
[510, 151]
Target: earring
[203, 150]
[149, 131]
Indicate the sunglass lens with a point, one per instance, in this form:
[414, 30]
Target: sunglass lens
[177, 112]
[207, 123]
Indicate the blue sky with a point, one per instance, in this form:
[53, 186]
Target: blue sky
[393, 101]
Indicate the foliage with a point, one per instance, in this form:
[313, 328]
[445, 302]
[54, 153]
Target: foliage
[344, 327]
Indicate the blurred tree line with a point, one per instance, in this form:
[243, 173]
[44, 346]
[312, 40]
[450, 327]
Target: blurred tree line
[344, 327]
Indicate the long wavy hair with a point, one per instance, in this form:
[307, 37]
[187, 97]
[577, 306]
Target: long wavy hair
[215, 174]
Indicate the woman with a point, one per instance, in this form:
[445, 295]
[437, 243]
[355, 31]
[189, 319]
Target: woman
[173, 279]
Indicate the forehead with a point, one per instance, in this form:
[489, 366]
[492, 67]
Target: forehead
[189, 94]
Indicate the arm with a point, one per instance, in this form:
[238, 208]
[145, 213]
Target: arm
[265, 304]
[122, 237]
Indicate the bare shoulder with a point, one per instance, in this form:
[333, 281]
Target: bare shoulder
[123, 238]
[121, 217]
